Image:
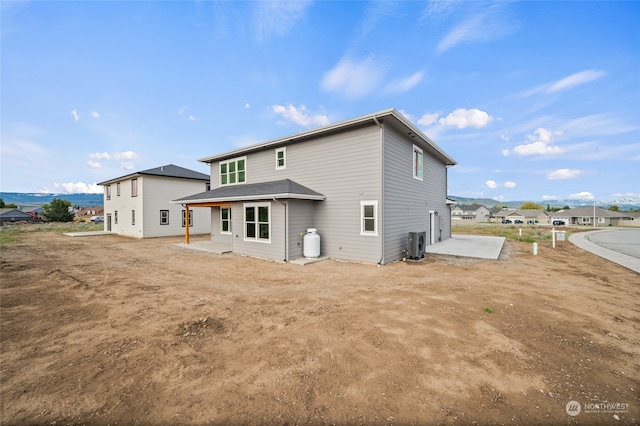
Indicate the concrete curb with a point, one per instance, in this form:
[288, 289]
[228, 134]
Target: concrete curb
[581, 240]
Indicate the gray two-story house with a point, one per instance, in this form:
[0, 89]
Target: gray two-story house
[363, 183]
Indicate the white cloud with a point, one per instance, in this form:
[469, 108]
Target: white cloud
[549, 198]
[575, 80]
[491, 184]
[582, 196]
[277, 17]
[439, 9]
[94, 164]
[353, 79]
[191, 118]
[540, 144]
[95, 114]
[486, 25]
[428, 119]
[247, 106]
[568, 82]
[406, 84]
[126, 159]
[300, 116]
[100, 156]
[564, 174]
[74, 114]
[462, 118]
[79, 187]
[508, 184]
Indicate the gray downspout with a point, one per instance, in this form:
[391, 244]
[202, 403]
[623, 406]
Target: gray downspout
[286, 228]
[375, 119]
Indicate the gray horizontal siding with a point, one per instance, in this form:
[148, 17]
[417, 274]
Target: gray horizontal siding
[407, 200]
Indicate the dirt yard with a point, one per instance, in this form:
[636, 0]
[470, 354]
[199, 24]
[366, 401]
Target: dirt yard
[111, 330]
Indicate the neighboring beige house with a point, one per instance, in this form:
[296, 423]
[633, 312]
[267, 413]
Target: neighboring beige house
[585, 215]
[138, 204]
[528, 216]
[471, 213]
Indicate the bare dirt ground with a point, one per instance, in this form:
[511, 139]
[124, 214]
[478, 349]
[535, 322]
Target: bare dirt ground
[111, 330]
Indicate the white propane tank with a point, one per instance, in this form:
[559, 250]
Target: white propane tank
[311, 244]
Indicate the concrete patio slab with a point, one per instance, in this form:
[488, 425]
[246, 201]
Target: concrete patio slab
[478, 246]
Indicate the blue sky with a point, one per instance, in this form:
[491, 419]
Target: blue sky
[534, 100]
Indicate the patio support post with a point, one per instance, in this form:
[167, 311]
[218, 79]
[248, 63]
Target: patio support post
[186, 222]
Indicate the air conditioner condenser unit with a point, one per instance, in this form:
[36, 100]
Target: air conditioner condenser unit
[417, 243]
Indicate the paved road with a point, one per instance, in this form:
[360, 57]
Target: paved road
[625, 241]
[617, 244]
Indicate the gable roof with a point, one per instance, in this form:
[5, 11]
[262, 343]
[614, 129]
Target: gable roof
[284, 189]
[587, 211]
[470, 207]
[391, 116]
[170, 170]
[13, 213]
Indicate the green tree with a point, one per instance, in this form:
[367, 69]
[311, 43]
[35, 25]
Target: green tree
[530, 205]
[58, 211]
[3, 205]
[614, 208]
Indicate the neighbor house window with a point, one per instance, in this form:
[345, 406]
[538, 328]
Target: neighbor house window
[108, 192]
[417, 163]
[133, 217]
[257, 221]
[115, 217]
[281, 154]
[369, 217]
[164, 217]
[134, 187]
[601, 220]
[190, 218]
[225, 220]
[233, 171]
[118, 189]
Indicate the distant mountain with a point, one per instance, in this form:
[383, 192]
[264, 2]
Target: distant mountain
[625, 203]
[22, 199]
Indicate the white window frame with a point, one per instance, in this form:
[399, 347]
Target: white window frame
[164, 219]
[134, 187]
[282, 150]
[363, 204]
[228, 220]
[190, 218]
[108, 192]
[418, 157]
[234, 161]
[257, 222]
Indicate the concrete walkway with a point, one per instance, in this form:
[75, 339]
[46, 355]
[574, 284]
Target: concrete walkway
[478, 246]
[581, 240]
[87, 233]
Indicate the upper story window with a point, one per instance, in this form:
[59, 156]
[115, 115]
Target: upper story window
[134, 187]
[118, 189]
[108, 192]
[281, 158]
[233, 171]
[417, 163]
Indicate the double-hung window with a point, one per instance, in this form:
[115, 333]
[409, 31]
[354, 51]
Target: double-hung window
[225, 220]
[233, 171]
[417, 163]
[164, 217]
[281, 158]
[257, 222]
[134, 187]
[369, 217]
[118, 189]
[133, 217]
[108, 192]
[190, 218]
